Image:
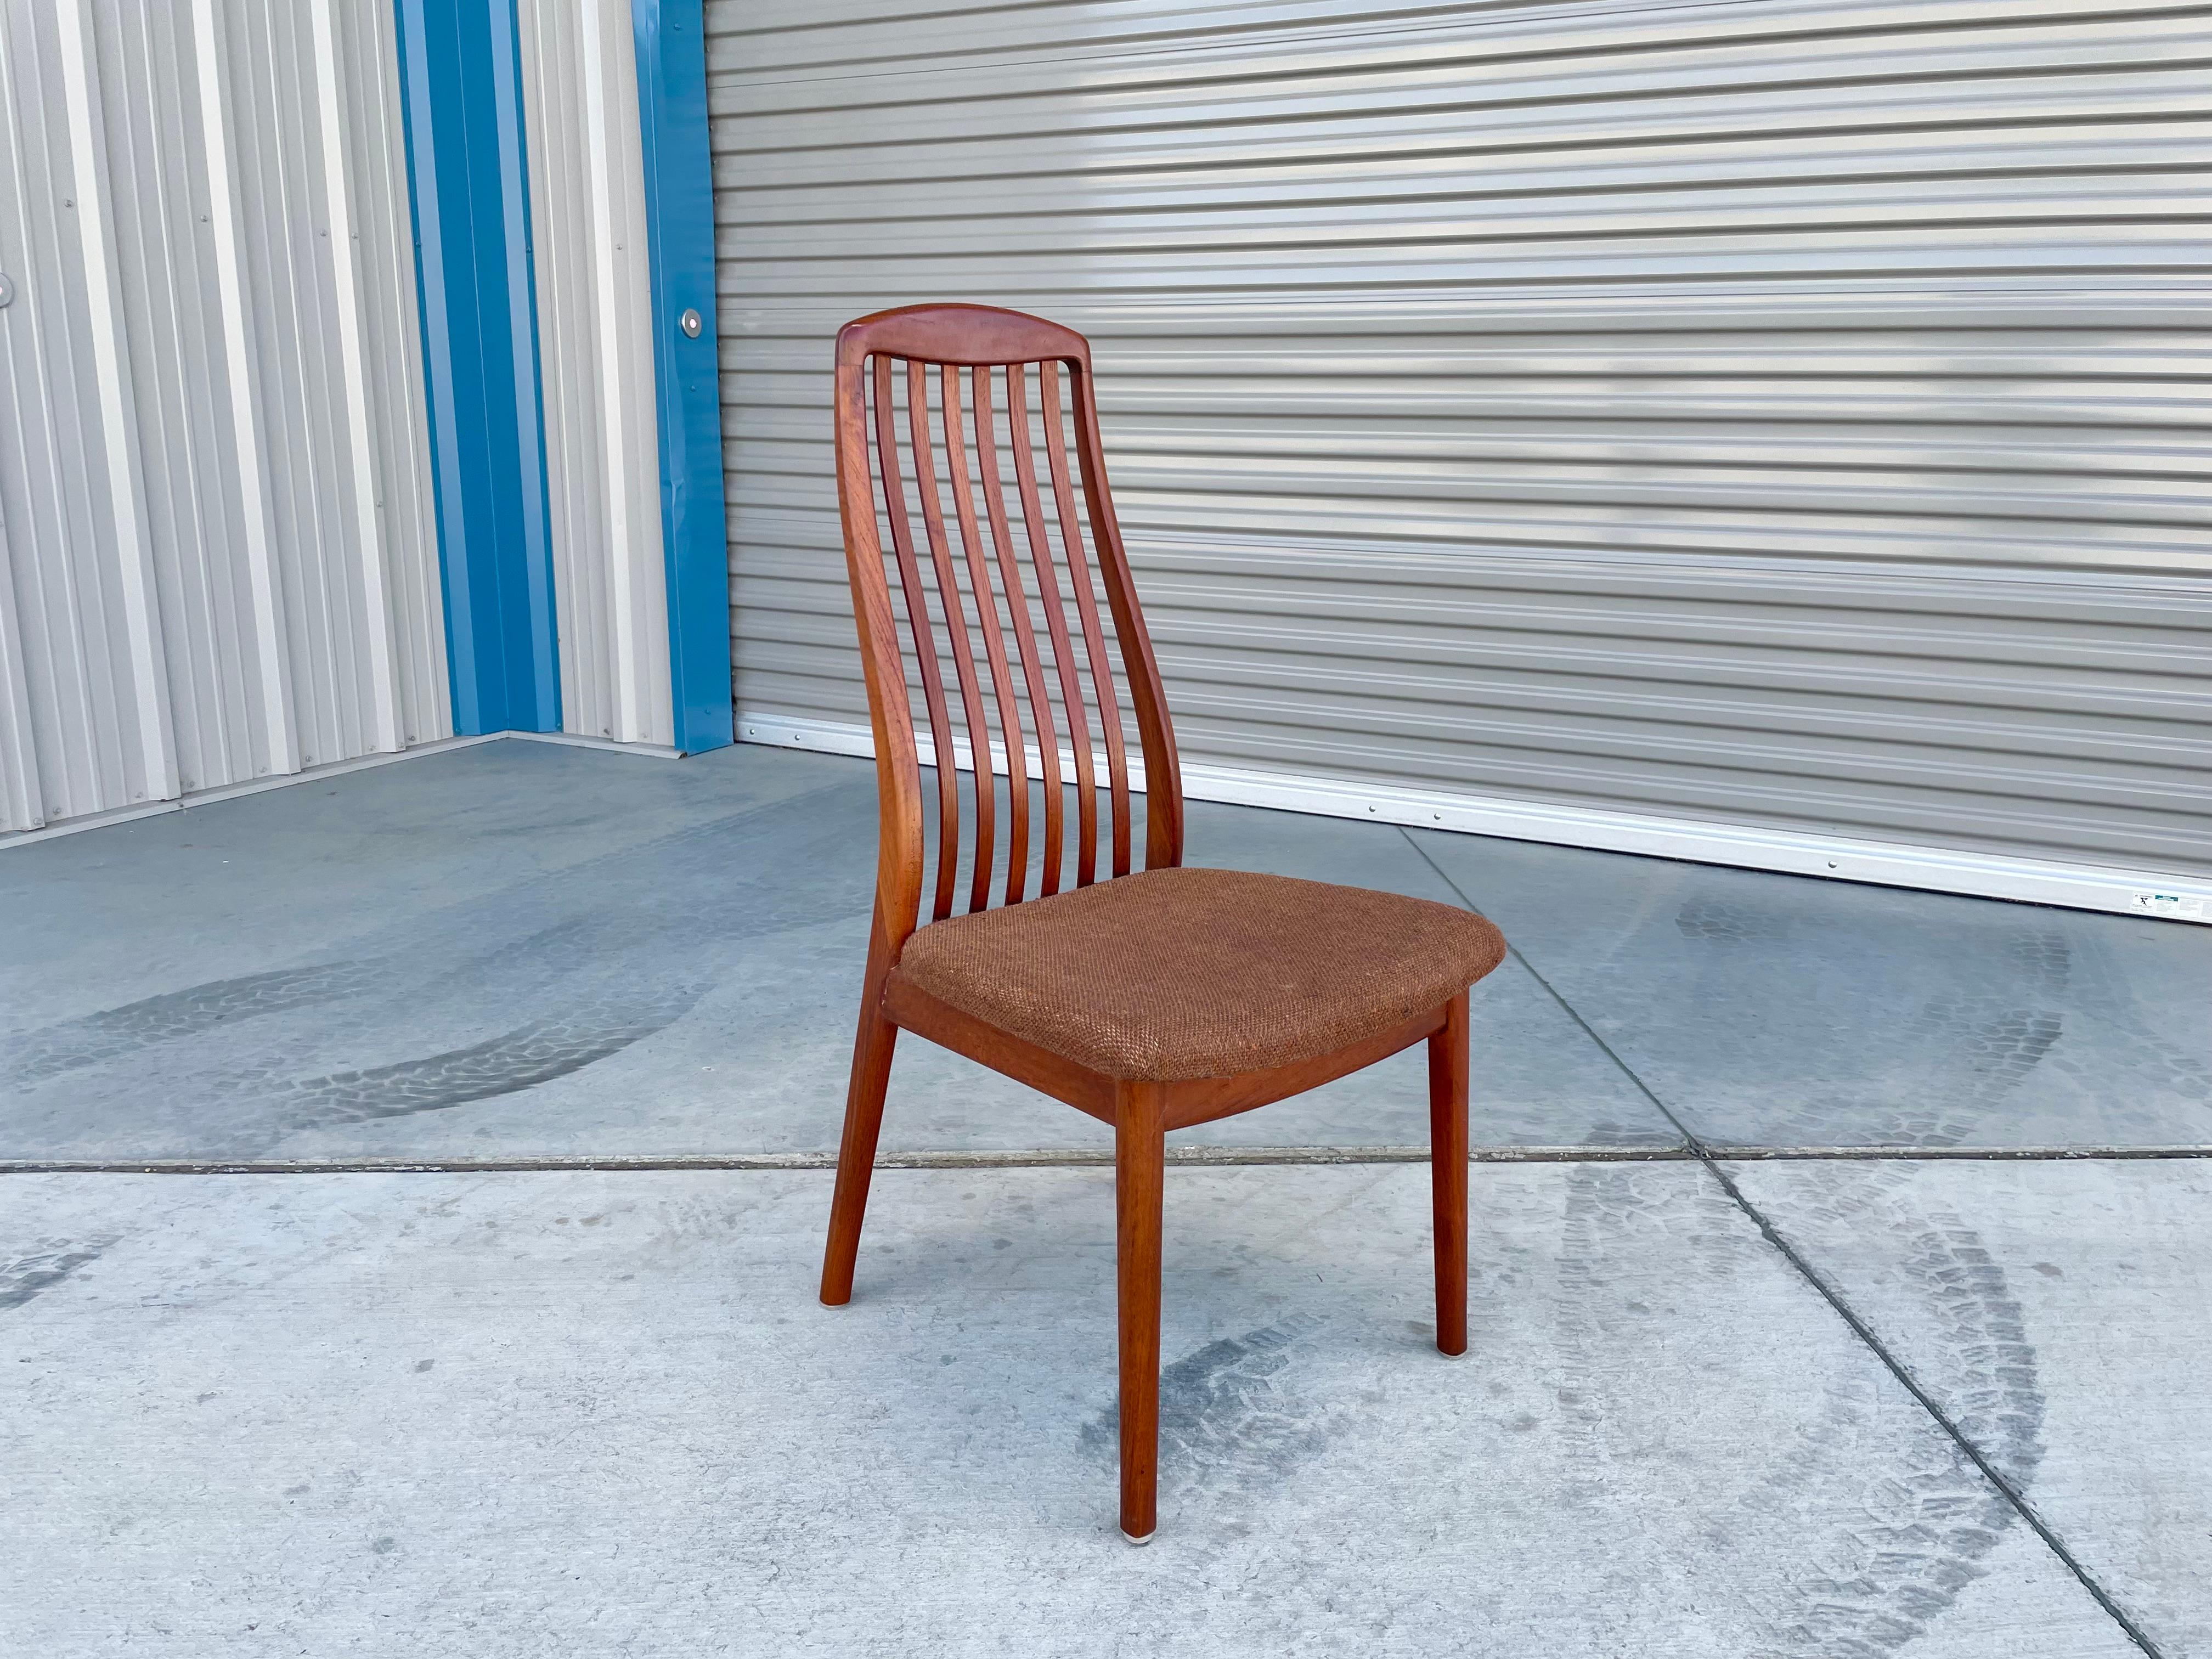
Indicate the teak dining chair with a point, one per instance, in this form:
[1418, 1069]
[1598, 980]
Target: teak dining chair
[1152, 1000]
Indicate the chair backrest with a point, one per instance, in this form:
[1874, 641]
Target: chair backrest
[940, 401]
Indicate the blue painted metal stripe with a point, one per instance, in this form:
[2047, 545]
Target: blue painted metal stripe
[461, 102]
[679, 204]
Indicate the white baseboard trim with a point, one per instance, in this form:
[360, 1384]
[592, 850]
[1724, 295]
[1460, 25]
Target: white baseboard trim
[578, 740]
[310, 775]
[231, 791]
[1797, 852]
[92, 820]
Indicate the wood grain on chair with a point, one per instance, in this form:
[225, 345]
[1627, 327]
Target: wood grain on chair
[1153, 1000]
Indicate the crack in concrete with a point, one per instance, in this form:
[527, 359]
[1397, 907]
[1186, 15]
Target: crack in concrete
[1084, 1158]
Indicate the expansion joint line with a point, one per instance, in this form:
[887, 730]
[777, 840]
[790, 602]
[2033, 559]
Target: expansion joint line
[1704, 1155]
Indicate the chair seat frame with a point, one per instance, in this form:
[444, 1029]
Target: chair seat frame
[984, 341]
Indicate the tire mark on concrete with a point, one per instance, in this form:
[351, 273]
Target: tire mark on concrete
[506, 1064]
[2152, 1053]
[1946, 1272]
[1988, 1025]
[478, 952]
[54, 1260]
[1929, 1527]
[576, 991]
[1230, 1425]
[1923, 1518]
[2008, 1044]
[2005, 1042]
[1932, 1528]
[1973, 1290]
[2003, 1037]
[1723, 923]
[50, 1050]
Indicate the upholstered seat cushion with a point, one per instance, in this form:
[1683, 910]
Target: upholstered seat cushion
[1177, 974]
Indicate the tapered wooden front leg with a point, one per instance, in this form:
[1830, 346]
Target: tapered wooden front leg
[1140, 1175]
[1447, 1065]
[864, 1121]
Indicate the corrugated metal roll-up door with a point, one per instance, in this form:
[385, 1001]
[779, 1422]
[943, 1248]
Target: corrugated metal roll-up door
[1779, 425]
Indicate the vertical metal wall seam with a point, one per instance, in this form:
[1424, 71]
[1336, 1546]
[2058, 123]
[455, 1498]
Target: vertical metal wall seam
[633, 700]
[467, 169]
[570, 370]
[284, 330]
[154, 163]
[530, 385]
[679, 205]
[23, 798]
[20, 807]
[593, 275]
[111, 371]
[25, 792]
[384, 709]
[272, 634]
[439, 368]
[394, 335]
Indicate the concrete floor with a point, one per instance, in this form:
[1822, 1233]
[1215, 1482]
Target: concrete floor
[521, 950]
[1827, 1405]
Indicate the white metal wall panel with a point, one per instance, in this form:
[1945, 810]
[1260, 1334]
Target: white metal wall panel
[205, 207]
[1774, 413]
[18, 783]
[82, 562]
[595, 349]
[366, 88]
[19, 799]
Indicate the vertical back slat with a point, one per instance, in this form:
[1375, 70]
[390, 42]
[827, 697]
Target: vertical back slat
[995, 501]
[1087, 608]
[994, 642]
[956, 623]
[1162, 768]
[1055, 622]
[925, 638]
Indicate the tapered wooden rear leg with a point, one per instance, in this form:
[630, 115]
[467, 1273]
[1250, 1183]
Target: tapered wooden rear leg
[1448, 1064]
[1139, 1173]
[864, 1121]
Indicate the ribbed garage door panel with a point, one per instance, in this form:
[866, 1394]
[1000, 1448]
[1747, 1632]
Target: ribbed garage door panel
[1788, 415]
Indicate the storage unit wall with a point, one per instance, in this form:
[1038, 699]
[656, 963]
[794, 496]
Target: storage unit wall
[331, 423]
[213, 486]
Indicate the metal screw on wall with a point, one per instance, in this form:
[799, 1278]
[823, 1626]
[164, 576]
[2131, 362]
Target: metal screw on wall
[7, 290]
[691, 324]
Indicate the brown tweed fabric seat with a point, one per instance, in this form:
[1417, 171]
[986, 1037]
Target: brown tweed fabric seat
[1170, 975]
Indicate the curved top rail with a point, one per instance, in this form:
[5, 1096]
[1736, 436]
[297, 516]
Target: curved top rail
[969, 336]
